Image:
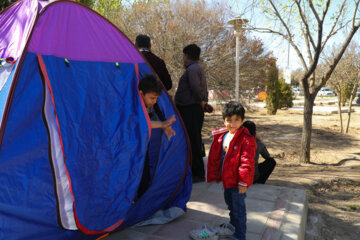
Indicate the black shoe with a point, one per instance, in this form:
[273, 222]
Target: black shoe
[197, 179]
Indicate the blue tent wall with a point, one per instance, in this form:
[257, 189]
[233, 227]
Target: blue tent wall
[28, 207]
[126, 165]
[172, 170]
[104, 134]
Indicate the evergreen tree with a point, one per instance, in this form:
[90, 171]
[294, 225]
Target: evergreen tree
[272, 90]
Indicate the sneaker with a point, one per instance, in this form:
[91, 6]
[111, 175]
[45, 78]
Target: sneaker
[225, 230]
[204, 233]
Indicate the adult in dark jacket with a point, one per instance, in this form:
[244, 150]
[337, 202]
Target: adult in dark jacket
[143, 43]
[264, 169]
[191, 100]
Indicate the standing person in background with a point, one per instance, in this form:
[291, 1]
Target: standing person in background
[191, 100]
[264, 169]
[143, 43]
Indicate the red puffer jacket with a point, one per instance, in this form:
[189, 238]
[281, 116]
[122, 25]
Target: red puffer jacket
[239, 165]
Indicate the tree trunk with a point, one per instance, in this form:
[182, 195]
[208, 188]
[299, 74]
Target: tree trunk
[339, 109]
[353, 93]
[349, 116]
[307, 129]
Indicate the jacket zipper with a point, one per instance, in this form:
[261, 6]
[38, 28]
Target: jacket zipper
[227, 153]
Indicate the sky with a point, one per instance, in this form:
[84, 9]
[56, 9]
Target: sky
[277, 45]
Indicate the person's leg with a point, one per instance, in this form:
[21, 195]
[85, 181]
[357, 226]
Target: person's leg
[201, 145]
[197, 149]
[193, 118]
[228, 201]
[187, 117]
[265, 169]
[239, 214]
[145, 179]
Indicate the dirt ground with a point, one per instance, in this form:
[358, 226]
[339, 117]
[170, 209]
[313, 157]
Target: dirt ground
[331, 180]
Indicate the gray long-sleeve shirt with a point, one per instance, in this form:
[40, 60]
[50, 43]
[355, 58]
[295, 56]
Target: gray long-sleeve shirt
[192, 86]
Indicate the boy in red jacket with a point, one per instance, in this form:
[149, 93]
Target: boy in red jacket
[231, 160]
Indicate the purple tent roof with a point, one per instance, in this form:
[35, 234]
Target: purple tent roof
[69, 30]
[63, 29]
[16, 23]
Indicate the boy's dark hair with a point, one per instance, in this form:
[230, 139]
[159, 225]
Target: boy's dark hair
[251, 127]
[150, 83]
[233, 108]
[143, 41]
[192, 51]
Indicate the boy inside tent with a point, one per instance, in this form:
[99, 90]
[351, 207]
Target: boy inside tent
[150, 89]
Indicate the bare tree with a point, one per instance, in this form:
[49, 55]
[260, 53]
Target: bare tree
[308, 26]
[173, 26]
[346, 78]
[351, 62]
[336, 81]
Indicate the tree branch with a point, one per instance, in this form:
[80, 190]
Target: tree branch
[281, 19]
[289, 37]
[307, 45]
[332, 32]
[336, 60]
[317, 50]
[314, 11]
[303, 18]
[355, 11]
[326, 10]
[297, 50]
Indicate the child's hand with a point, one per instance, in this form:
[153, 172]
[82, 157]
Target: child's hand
[169, 132]
[242, 189]
[168, 122]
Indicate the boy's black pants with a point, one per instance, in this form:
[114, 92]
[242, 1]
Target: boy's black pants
[193, 117]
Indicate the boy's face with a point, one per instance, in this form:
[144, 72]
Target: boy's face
[149, 98]
[233, 123]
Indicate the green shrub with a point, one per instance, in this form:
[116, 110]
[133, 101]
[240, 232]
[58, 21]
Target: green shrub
[286, 95]
[272, 90]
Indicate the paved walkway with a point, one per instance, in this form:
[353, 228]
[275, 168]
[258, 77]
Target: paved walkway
[273, 213]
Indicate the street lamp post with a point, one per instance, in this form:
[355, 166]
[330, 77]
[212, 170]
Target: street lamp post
[237, 24]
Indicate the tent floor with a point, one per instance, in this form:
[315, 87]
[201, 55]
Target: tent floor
[273, 212]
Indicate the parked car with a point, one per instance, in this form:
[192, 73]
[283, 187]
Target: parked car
[358, 93]
[297, 91]
[326, 92]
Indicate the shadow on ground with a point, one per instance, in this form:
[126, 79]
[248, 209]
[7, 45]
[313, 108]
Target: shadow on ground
[340, 163]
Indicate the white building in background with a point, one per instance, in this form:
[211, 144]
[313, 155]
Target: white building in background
[287, 75]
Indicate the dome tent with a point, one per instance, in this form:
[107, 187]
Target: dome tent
[74, 131]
